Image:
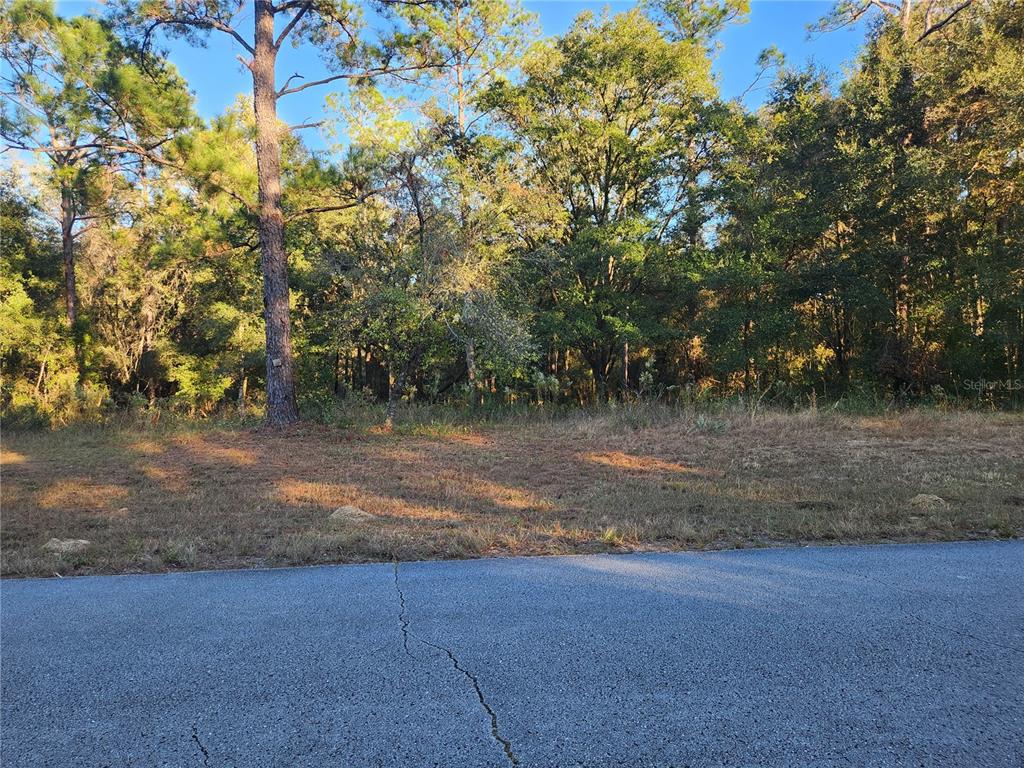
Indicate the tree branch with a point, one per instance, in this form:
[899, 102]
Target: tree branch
[355, 76]
[339, 207]
[290, 25]
[221, 27]
[952, 15]
[284, 88]
[201, 22]
[287, 6]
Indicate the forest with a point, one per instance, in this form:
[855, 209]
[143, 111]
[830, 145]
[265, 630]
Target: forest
[506, 218]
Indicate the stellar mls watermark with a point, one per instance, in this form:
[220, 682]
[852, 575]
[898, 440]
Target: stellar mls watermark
[994, 385]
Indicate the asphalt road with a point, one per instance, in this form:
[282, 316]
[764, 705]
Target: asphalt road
[846, 656]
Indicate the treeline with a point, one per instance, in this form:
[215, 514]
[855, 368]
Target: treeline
[569, 220]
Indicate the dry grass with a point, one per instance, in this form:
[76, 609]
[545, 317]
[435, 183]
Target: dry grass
[154, 499]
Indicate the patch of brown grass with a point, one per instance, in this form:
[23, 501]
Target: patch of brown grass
[82, 493]
[584, 483]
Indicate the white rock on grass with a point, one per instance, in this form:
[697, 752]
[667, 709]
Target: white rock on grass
[928, 501]
[66, 546]
[349, 514]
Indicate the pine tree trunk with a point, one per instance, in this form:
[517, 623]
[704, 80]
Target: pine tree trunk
[67, 242]
[281, 407]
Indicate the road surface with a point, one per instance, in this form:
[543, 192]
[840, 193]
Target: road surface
[833, 656]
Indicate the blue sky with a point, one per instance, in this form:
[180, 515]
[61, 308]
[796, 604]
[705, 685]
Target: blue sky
[216, 76]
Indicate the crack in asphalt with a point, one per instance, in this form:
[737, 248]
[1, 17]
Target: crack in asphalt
[506, 745]
[403, 621]
[195, 738]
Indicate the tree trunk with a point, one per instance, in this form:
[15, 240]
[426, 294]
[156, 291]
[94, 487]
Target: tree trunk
[602, 363]
[843, 347]
[625, 368]
[40, 378]
[905, 11]
[394, 394]
[243, 390]
[748, 372]
[67, 242]
[397, 388]
[471, 369]
[281, 407]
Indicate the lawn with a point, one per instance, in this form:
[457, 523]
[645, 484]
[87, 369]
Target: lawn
[153, 498]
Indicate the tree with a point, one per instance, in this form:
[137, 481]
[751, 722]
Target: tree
[785, 280]
[444, 184]
[584, 216]
[604, 114]
[480, 42]
[975, 119]
[36, 359]
[332, 26]
[483, 42]
[77, 95]
[935, 132]
[698, 21]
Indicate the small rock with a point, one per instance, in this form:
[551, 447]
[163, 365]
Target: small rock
[65, 546]
[928, 501]
[349, 513]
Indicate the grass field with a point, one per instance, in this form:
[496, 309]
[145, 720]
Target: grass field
[169, 497]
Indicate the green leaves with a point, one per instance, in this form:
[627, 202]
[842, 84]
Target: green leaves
[574, 216]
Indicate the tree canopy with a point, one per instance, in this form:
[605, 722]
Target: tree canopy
[510, 218]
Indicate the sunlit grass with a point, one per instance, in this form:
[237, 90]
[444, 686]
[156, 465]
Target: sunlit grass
[159, 496]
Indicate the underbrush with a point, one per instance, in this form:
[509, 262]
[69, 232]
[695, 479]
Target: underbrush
[706, 410]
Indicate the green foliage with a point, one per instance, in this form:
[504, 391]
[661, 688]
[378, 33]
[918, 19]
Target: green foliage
[553, 222]
[611, 116]
[38, 380]
[697, 20]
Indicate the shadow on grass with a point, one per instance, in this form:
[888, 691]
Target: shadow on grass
[166, 498]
